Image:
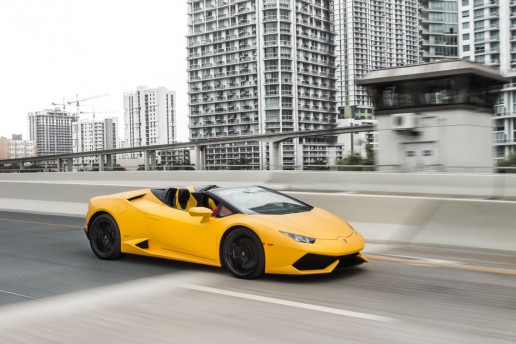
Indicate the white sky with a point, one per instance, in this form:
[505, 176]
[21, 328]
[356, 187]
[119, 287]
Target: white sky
[55, 49]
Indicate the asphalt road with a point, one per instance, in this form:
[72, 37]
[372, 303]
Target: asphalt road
[54, 290]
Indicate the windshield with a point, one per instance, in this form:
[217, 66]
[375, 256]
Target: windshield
[258, 200]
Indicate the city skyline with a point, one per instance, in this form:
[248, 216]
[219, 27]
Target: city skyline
[61, 49]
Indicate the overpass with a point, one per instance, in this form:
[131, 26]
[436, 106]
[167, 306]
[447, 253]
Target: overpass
[149, 152]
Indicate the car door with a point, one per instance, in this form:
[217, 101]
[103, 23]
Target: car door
[176, 230]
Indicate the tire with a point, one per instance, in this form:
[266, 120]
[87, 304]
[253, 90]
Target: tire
[242, 254]
[104, 237]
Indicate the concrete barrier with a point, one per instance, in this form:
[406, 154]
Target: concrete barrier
[481, 224]
[401, 219]
[499, 186]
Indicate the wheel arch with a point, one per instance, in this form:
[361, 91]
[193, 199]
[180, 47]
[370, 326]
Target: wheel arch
[94, 216]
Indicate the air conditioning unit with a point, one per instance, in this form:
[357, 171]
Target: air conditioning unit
[403, 121]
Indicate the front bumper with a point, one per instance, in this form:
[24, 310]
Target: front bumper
[324, 256]
[312, 261]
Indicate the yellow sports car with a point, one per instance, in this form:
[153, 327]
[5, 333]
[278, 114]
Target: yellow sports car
[248, 230]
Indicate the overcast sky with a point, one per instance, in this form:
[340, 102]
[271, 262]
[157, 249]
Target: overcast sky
[55, 49]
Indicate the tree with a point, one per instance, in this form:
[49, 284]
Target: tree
[355, 161]
[510, 161]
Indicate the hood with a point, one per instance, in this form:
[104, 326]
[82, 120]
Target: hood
[317, 223]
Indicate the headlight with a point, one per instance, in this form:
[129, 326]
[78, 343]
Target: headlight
[299, 238]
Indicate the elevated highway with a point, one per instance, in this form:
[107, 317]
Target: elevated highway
[199, 145]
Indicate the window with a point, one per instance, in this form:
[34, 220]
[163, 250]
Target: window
[465, 14]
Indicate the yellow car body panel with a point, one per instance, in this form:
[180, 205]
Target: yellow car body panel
[175, 234]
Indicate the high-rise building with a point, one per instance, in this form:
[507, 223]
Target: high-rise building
[149, 116]
[261, 66]
[94, 135]
[51, 130]
[372, 34]
[488, 36]
[439, 30]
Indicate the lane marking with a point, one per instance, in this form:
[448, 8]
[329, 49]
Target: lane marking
[20, 295]
[289, 303]
[39, 223]
[437, 263]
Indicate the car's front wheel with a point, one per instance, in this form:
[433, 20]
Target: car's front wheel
[242, 254]
[104, 237]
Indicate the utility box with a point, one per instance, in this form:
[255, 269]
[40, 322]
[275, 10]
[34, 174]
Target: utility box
[435, 116]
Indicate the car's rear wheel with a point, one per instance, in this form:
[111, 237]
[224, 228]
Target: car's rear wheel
[105, 237]
[242, 254]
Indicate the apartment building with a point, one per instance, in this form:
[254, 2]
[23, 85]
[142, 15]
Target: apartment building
[149, 116]
[51, 130]
[488, 36]
[19, 148]
[94, 135]
[439, 30]
[371, 34]
[261, 66]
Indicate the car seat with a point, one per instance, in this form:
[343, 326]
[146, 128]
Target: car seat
[184, 200]
[170, 197]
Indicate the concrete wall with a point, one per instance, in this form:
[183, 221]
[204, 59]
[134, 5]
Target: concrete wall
[460, 140]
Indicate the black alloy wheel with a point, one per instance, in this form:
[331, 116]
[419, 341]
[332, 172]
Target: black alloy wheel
[242, 254]
[105, 237]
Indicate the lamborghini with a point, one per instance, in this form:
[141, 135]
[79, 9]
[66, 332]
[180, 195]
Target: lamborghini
[248, 230]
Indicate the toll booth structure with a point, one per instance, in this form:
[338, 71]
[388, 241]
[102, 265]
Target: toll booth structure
[435, 116]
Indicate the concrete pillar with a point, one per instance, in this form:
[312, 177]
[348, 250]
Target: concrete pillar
[69, 164]
[146, 157]
[274, 156]
[199, 157]
[109, 162]
[101, 162]
[22, 165]
[59, 165]
[152, 155]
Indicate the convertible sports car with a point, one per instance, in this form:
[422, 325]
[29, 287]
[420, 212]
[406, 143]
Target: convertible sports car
[248, 230]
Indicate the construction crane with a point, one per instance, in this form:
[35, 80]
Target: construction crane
[93, 112]
[78, 101]
[63, 104]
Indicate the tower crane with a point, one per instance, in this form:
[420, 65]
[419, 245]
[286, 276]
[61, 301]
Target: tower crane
[78, 101]
[63, 104]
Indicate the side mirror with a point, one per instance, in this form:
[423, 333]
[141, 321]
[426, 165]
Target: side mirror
[203, 212]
